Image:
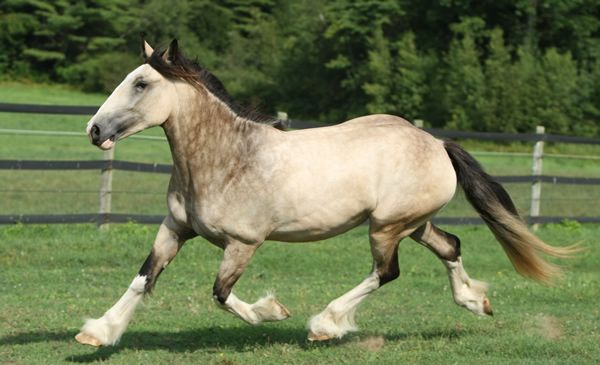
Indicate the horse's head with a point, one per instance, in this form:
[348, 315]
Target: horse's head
[144, 99]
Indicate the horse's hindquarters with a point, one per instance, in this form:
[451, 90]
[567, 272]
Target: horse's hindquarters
[378, 167]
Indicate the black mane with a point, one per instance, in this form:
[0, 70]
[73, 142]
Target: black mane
[181, 68]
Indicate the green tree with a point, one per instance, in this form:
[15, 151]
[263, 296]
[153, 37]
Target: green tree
[505, 65]
[547, 91]
[396, 77]
[253, 54]
[380, 87]
[305, 87]
[464, 82]
[14, 30]
[410, 72]
[528, 85]
[51, 36]
[588, 95]
[499, 102]
[569, 26]
[348, 35]
[559, 109]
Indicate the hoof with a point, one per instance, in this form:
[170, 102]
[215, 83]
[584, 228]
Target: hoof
[85, 339]
[313, 337]
[284, 311]
[487, 307]
[269, 309]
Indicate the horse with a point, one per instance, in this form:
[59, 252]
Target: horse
[238, 179]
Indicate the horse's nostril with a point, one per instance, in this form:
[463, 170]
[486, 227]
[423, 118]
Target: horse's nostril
[95, 130]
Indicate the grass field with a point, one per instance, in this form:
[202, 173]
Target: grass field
[54, 276]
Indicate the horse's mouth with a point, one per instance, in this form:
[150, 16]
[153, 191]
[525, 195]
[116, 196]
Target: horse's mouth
[108, 144]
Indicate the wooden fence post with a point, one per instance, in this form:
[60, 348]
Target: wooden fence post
[283, 118]
[106, 189]
[536, 170]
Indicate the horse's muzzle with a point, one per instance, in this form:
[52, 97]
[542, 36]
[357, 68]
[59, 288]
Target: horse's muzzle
[100, 138]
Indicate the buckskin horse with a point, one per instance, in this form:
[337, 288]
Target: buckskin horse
[238, 180]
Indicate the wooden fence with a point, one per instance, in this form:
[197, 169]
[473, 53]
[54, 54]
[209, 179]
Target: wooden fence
[109, 164]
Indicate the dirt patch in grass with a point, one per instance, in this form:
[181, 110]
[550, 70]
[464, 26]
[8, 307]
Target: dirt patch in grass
[372, 343]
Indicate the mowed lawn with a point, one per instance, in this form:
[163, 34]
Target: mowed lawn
[54, 276]
[51, 277]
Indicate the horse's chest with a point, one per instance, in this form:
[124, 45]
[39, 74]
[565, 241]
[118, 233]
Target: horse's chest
[187, 212]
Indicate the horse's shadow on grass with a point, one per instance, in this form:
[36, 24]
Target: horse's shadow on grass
[212, 339]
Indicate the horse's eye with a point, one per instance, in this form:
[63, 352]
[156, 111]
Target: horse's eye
[140, 85]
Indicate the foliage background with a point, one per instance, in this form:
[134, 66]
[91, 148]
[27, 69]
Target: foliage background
[486, 66]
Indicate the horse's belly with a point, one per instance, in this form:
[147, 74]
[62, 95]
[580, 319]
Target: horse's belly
[316, 227]
[315, 205]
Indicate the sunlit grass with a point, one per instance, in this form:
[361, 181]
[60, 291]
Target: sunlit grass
[53, 276]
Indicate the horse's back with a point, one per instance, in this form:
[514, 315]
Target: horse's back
[379, 119]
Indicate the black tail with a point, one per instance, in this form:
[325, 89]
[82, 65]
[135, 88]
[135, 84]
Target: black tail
[496, 208]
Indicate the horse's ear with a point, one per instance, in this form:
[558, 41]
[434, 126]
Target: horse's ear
[172, 52]
[146, 50]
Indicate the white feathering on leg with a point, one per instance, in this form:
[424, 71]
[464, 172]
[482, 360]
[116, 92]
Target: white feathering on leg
[266, 308]
[468, 293]
[269, 309]
[109, 328]
[338, 318]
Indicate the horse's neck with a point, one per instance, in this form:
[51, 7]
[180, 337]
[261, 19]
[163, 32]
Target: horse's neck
[210, 146]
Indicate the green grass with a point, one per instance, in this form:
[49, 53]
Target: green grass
[64, 148]
[50, 94]
[53, 276]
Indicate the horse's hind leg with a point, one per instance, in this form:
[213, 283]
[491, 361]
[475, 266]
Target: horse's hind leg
[107, 330]
[338, 318]
[236, 257]
[467, 292]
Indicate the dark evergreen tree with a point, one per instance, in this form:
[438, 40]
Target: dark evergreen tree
[494, 66]
[464, 82]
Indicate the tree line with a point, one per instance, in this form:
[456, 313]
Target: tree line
[463, 64]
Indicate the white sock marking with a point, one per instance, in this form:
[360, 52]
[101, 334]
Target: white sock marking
[109, 328]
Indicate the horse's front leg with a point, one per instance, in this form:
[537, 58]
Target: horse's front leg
[236, 257]
[107, 330]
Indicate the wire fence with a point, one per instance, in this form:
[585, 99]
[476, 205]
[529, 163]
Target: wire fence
[109, 196]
